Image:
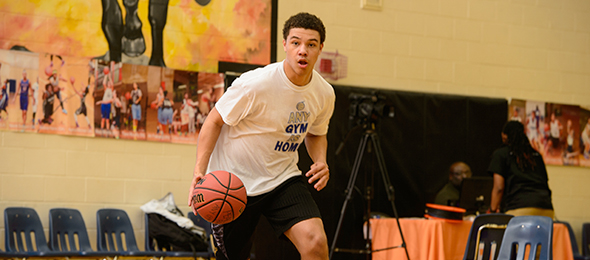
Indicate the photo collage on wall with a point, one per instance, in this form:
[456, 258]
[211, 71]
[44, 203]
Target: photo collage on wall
[89, 97]
[561, 133]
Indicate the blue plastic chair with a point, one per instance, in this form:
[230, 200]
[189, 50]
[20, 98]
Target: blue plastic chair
[12, 255]
[574, 242]
[487, 229]
[112, 225]
[150, 245]
[67, 233]
[586, 239]
[527, 230]
[24, 235]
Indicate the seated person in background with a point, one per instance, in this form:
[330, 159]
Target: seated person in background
[520, 176]
[449, 194]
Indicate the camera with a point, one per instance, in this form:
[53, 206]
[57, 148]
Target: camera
[368, 108]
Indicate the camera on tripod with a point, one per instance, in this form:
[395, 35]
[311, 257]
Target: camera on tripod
[366, 109]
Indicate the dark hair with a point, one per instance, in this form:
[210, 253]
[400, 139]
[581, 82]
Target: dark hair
[519, 145]
[305, 21]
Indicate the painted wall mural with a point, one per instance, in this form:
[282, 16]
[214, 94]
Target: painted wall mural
[191, 35]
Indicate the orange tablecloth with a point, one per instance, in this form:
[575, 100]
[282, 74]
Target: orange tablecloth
[430, 239]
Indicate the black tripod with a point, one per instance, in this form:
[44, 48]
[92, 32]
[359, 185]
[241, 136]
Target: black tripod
[368, 135]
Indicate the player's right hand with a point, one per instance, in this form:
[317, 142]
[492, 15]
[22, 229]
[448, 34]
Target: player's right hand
[196, 179]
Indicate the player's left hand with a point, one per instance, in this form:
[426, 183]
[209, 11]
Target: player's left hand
[318, 173]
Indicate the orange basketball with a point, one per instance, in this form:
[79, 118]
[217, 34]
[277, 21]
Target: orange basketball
[48, 71]
[127, 95]
[154, 105]
[219, 197]
[106, 70]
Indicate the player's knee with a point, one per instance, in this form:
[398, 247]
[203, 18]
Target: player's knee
[317, 245]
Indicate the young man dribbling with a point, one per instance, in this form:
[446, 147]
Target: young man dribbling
[254, 131]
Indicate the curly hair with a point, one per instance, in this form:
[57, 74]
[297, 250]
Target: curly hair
[305, 21]
[519, 145]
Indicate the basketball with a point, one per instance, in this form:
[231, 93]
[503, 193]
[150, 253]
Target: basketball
[127, 95]
[154, 105]
[106, 70]
[48, 71]
[219, 197]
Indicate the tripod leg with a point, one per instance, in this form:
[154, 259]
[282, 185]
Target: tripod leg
[349, 189]
[388, 186]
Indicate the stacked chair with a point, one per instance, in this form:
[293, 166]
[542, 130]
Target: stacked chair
[24, 235]
[586, 239]
[68, 236]
[535, 231]
[574, 242]
[485, 236]
[115, 234]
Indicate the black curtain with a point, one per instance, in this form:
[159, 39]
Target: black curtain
[427, 133]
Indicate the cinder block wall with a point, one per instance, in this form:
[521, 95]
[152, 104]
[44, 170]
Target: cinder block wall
[526, 49]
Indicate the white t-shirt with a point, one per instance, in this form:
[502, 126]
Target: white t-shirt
[555, 129]
[108, 94]
[35, 96]
[266, 119]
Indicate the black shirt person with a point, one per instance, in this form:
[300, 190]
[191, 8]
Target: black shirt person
[520, 176]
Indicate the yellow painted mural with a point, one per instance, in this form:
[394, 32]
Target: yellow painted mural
[179, 34]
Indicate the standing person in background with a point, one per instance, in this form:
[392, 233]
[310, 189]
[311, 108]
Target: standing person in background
[449, 195]
[520, 176]
[254, 131]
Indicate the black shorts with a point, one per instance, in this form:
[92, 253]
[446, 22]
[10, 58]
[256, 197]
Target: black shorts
[288, 204]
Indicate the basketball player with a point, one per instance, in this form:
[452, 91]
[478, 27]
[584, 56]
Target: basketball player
[158, 104]
[54, 80]
[254, 131]
[35, 89]
[82, 109]
[3, 99]
[24, 89]
[105, 103]
[135, 106]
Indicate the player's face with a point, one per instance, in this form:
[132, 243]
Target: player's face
[24, 75]
[134, 85]
[302, 48]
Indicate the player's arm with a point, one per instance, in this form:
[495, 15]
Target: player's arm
[497, 192]
[206, 143]
[317, 146]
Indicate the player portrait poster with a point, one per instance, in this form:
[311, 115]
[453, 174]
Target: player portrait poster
[561, 134]
[132, 102]
[584, 140]
[108, 87]
[516, 110]
[67, 85]
[19, 77]
[195, 94]
[161, 104]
